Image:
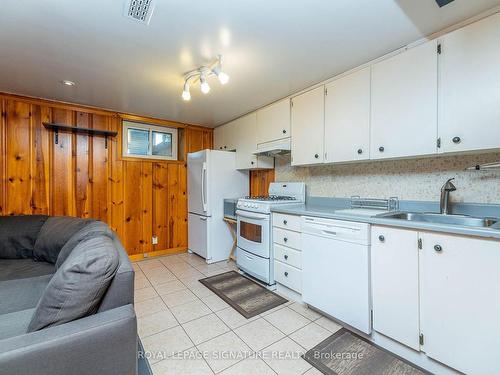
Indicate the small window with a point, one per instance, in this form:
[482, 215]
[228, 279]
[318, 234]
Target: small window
[149, 141]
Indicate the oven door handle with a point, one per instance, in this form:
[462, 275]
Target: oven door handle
[251, 215]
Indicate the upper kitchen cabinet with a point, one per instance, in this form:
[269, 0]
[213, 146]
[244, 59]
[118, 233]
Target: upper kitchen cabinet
[470, 87]
[308, 125]
[246, 145]
[460, 289]
[225, 137]
[404, 104]
[347, 118]
[219, 137]
[273, 123]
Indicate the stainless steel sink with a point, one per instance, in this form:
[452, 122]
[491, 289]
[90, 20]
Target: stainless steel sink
[467, 221]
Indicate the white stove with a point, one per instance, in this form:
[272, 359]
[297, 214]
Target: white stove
[254, 238]
[279, 194]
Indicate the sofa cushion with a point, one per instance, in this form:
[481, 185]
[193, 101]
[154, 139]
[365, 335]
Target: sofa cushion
[54, 234]
[121, 289]
[15, 323]
[22, 294]
[15, 269]
[93, 229]
[76, 289]
[18, 235]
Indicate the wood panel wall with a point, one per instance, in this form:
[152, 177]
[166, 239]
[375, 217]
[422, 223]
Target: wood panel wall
[259, 182]
[80, 177]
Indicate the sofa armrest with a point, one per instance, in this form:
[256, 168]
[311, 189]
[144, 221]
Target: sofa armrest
[104, 343]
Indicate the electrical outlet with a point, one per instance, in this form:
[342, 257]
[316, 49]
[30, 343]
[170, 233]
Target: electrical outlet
[154, 240]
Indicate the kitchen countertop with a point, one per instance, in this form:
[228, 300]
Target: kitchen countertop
[328, 211]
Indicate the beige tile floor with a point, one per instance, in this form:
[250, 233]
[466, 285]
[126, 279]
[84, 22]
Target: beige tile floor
[187, 329]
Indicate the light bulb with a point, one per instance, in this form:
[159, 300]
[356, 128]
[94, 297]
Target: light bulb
[223, 78]
[68, 83]
[186, 95]
[205, 87]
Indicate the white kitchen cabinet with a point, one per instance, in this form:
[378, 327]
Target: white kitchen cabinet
[246, 144]
[460, 293]
[225, 137]
[395, 284]
[219, 137]
[347, 118]
[308, 123]
[273, 122]
[287, 251]
[470, 87]
[404, 104]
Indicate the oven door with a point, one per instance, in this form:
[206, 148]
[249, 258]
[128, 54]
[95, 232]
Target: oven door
[253, 233]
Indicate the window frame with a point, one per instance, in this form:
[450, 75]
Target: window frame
[126, 125]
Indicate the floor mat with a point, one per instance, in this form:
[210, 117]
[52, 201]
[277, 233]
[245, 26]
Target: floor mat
[243, 294]
[345, 353]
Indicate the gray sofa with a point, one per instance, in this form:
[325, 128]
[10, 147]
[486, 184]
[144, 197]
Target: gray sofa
[66, 298]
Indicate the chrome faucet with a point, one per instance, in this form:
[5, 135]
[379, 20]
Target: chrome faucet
[446, 189]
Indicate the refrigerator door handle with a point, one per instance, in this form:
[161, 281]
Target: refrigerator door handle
[203, 184]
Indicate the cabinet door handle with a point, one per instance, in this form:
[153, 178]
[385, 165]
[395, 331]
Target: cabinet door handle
[284, 131]
[438, 248]
[252, 162]
[360, 151]
[285, 222]
[286, 274]
[285, 239]
[456, 140]
[220, 148]
[381, 149]
[381, 238]
[316, 156]
[225, 147]
[285, 256]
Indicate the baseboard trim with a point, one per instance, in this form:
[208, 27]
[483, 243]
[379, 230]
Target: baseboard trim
[152, 254]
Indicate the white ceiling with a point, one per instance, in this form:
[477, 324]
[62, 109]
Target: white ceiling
[271, 48]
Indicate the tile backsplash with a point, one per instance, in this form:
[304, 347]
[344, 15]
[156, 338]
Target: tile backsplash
[411, 179]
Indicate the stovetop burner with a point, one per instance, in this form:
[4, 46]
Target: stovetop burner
[271, 198]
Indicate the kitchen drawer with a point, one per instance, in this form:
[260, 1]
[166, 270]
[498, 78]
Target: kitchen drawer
[291, 222]
[253, 264]
[288, 256]
[288, 276]
[286, 238]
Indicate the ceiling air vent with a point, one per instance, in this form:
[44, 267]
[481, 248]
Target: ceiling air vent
[139, 10]
[442, 3]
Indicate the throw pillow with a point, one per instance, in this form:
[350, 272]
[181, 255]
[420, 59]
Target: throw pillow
[78, 286]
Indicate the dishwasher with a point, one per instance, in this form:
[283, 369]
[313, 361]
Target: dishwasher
[336, 269]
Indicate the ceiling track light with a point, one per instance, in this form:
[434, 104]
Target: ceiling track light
[201, 74]
[186, 94]
[205, 87]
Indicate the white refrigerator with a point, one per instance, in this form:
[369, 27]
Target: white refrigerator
[212, 176]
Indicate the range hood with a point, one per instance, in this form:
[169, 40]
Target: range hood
[278, 147]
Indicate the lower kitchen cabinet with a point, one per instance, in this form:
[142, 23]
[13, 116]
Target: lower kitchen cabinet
[395, 284]
[443, 287]
[460, 293]
[287, 251]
